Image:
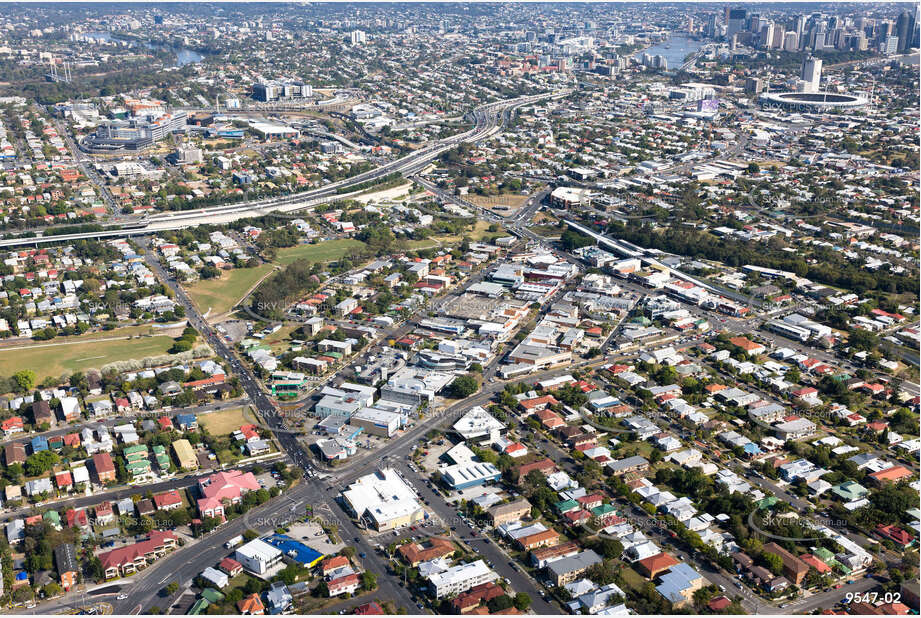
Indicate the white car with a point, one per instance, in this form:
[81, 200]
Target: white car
[122, 597]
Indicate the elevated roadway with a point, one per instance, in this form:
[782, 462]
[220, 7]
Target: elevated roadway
[490, 120]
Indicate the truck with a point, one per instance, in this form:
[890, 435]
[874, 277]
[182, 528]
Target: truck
[234, 541]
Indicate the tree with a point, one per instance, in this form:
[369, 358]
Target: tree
[522, 601]
[574, 240]
[180, 517]
[499, 603]
[773, 562]
[52, 589]
[172, 588]
[23, 594]
[368, 581]
[754, 168]
[24, 379]
[39, 463]
[462, 387]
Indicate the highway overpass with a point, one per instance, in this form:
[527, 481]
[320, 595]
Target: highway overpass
[490, 119]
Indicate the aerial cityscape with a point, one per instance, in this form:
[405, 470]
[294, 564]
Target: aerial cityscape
[460, 308]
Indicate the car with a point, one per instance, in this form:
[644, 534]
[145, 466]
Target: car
[122, 597]
[838, 586]
[361, 555]
[356, 539]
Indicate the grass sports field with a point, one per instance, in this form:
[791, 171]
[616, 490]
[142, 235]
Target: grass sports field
[56, 358]
[223, 293]
[323, 251]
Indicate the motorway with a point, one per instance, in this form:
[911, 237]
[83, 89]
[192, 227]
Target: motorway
[490, 119]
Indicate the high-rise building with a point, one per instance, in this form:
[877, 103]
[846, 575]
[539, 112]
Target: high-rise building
[890, 46]
[777, 41]
[712, 29]
[754, 85]
[767, 35]
[811, 74]
[790, 41]
[903, 30]
[736, 21]
[914, 30]
[358, 37]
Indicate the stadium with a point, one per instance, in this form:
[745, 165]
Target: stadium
[812, 101]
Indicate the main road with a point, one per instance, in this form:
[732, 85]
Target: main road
[489, 120]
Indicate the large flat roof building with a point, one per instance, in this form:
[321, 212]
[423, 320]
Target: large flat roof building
[383, 500]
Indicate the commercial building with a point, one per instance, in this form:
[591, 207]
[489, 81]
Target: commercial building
[134, 134]
[383, 500]
[466, 475]
[258, 556]
[811, 74]
[477, 423]
[377, 422]
[569, 197]
[461, 578]
[269, 91]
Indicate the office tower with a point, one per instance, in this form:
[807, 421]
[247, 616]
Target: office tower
[777, 41]
[811, 73]
[901, 29]
[860, 42]
[736, 23]
[890, 46]
[914, 30]
[766, 36]
[790, 41]
[357, 37]
[711, 30]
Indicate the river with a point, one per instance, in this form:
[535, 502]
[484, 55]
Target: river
[675, 50]
[184, 55]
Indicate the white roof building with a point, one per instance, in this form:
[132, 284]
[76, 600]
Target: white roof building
[461, 578]
[258, 556]
[384, 500]
[478, 423]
